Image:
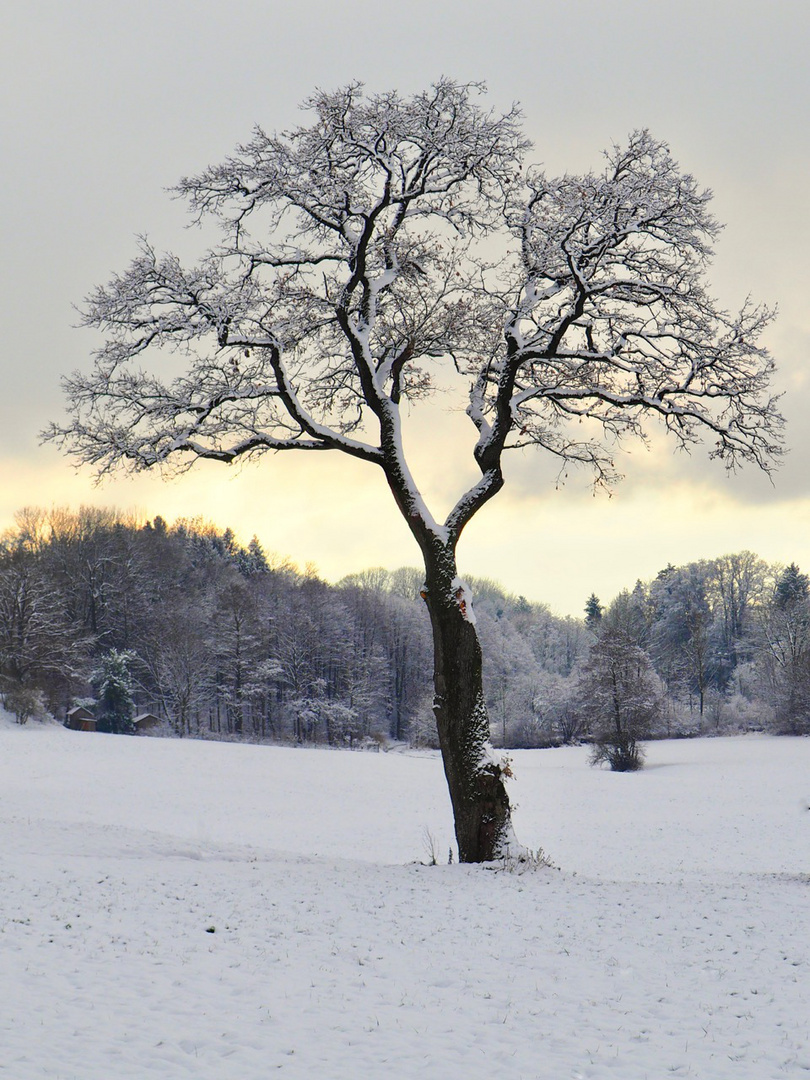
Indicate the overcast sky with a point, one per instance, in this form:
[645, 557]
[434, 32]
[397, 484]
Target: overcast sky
[106, 105]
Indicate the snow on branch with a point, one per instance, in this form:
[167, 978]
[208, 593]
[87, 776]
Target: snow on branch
[357, 256]
[614, 322]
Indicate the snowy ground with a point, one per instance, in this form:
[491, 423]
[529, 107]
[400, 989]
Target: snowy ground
[182, 909]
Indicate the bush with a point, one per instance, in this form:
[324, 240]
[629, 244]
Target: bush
[25, 702]
[620, 751]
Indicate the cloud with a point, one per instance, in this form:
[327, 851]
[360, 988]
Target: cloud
[113, 103]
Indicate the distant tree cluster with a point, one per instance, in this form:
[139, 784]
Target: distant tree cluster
[721, 645]
[215, 638]
[222, 641]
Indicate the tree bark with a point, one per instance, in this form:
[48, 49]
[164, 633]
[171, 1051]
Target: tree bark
[475, 777]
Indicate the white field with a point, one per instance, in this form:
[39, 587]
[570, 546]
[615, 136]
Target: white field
[180, 909]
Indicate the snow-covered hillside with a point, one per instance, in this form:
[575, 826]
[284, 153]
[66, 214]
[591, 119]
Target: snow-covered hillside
[218, 911]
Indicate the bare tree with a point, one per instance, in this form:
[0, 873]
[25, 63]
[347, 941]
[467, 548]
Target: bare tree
[737, 585]
[181, 661]
[356, 259]
[619, 698]
[782, 650]
[41, 649]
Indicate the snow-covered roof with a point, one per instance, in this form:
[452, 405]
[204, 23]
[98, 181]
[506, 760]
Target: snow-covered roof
[146, 719]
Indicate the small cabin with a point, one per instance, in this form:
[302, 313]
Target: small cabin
[80, 719]
[144, 722]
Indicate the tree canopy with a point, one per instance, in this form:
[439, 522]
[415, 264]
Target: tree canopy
[351, 266]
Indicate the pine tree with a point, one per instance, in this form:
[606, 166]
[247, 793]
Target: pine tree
[593, 612]
[791, 588]
[112, 682]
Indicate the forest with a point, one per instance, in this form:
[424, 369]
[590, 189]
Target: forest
[219, 640]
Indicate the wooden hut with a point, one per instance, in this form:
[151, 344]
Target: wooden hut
[80, 719]
[144, 722]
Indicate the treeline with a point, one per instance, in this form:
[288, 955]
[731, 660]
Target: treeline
[213, 637]
[728, 640]
[221, 640]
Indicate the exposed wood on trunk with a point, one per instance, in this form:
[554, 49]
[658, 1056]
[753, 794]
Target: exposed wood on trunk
[475, 779]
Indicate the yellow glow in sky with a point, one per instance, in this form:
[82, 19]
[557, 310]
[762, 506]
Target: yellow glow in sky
[555, 548]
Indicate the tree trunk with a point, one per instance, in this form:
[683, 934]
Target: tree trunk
[475, 776]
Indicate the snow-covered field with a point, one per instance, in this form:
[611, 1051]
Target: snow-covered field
[227, 912]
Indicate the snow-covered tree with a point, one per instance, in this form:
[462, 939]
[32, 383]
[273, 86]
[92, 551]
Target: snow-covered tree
[357, 260]
[619, 697]
[41, 649]
[685, 637]
[593, 612]
[792, 588]
[113, 684]
[735, 586]
[782, 643]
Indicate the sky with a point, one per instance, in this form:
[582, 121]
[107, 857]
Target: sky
[105, 106]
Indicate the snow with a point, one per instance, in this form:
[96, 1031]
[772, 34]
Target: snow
[173, 908]
[462, 594]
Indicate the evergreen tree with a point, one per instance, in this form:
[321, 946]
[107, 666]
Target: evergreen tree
[792, 587]
[593, 612]
[112, 682]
